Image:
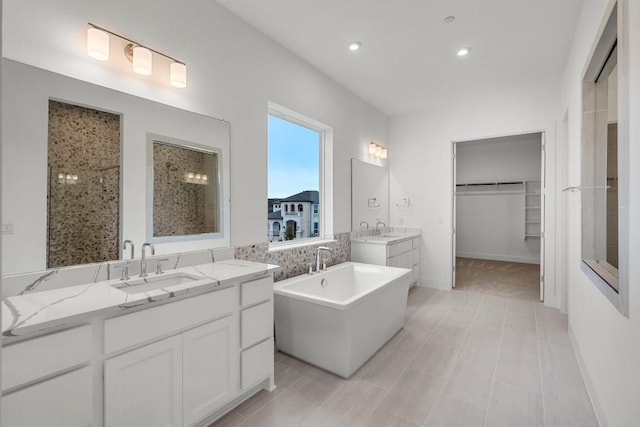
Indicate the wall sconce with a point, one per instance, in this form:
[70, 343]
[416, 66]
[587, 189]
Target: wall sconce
[377, 150]
[196, 178]
[139, 55]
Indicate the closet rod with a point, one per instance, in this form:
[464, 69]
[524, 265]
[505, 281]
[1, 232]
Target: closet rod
[490, 183]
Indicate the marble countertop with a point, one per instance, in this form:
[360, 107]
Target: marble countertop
[39, 311]
[386, 238]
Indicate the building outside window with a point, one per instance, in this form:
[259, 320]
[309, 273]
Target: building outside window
[294, 176]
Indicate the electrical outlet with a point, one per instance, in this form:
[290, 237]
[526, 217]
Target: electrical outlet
[7, 228]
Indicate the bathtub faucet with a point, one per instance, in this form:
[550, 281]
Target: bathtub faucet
[320, 249]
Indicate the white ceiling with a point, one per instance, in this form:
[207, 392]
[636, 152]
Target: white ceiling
[408, 59]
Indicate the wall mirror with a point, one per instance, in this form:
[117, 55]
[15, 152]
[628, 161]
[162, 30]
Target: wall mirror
[602, 142]
[369, 195]
[183, 188]
[101, 170]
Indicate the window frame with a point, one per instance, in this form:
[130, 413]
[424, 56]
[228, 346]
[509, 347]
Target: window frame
[325, 210]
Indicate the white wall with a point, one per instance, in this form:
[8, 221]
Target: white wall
[421, 167]
[606, 341]
[511, 158]
[491, 225]
[233, 72]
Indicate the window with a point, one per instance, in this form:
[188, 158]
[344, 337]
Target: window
[299, 153]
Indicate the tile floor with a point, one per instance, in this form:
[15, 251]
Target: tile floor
[500, 278]
[462, 359]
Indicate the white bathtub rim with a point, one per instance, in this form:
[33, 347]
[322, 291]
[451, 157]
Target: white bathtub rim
[280, 288]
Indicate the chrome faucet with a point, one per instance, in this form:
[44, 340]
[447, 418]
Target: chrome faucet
[143, 263]
[320, 249]
[378, 223]
[365, 223]
[124, 247]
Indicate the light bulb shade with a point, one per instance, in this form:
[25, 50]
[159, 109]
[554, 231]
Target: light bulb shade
[372, 148]
[97, 44]
[383, 153]
[178, 75]
[142, 61]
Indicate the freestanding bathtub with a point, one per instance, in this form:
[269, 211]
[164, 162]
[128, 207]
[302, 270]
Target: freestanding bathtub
[337, 319]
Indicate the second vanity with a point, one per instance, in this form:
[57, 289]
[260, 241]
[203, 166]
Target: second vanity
[393, 247]
[182, 355]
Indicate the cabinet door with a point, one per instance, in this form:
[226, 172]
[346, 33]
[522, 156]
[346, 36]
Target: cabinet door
[64, 401]
[144, 387]
[210, 374]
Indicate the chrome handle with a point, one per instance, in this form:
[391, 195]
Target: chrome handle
[159, 265]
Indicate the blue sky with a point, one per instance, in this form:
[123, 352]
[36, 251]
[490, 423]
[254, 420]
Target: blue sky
[294, 158]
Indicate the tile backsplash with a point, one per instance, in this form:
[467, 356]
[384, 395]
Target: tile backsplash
[295, 261]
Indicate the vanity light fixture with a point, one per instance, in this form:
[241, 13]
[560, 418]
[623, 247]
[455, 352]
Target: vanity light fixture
[139, 55]
[98, 44]
[196, 178]
[377, 150]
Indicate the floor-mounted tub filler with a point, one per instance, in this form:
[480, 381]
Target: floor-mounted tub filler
[337, 319]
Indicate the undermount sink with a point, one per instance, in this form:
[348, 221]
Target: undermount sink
[151, 283]
[391, 235]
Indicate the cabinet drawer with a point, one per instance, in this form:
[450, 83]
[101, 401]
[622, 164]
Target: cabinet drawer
[64, 401]
[256, 291]
[29, 360]
[392, 250]
[135, 328]
[256, 364]
[256, 324]
[405, 260]
[405, 246]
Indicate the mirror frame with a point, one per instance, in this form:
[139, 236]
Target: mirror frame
[153, 138]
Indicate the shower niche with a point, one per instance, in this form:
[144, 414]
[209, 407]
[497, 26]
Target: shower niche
[83, 188]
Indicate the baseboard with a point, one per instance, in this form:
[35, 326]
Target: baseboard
[593, 397]
[434, 283]
[498, 257]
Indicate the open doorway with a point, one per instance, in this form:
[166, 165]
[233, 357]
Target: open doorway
[498, 208]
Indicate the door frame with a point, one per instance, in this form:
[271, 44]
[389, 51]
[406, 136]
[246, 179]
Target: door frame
[543, 192]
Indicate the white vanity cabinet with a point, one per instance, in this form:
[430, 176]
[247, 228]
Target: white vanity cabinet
[47, 380]
[173, 382]
[401, 252]
[206, 352]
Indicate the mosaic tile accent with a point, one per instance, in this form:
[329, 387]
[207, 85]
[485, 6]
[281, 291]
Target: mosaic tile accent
[183, 202]
[295, 261]
[84, 185]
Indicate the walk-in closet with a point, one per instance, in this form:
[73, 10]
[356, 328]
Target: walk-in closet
[499, 216]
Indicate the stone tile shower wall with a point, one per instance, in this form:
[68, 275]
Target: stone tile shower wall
[181, 207]
[83, 185]
[295, 261]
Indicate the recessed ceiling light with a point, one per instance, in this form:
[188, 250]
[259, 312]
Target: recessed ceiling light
[464, 51]
[353, 46]
[449, 19]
